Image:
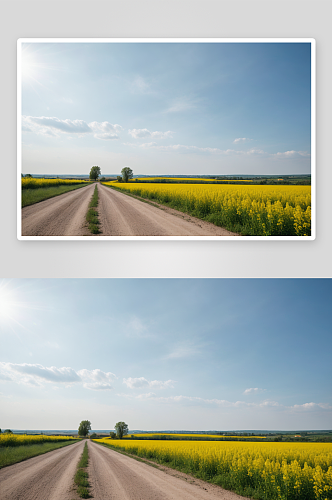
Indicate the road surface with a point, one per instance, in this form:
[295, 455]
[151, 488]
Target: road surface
[63, 215]
[47, 477]
[119, 215]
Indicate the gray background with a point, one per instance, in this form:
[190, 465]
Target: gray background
[159, 18]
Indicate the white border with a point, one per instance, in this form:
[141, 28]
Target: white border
[312, 41]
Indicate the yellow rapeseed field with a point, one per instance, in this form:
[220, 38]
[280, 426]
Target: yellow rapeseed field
[34, 183]
[258, 210]
[24, 439]
[289, 471]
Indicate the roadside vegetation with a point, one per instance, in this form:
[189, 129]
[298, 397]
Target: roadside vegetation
[81, 476]
[30, 196]
[92, 214]
[12, 454]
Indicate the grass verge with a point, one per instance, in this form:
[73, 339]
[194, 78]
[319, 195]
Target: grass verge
[10, 455]
[32, 196]
[92, 214]
[81, 476]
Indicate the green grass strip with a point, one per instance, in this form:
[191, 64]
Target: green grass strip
[10, 455]
[92, 214]
[81, 476]
[32, 196]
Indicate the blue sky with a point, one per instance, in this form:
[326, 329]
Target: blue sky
[195, 354]
[166, 108]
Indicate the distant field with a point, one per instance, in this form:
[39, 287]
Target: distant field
[264, 471]
[250, 210]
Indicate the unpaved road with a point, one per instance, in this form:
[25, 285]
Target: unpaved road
[122, 215]
[119, 215]
[63, 215]
[47, 477]
[113, 476]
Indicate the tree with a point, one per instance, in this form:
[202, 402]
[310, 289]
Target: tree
[127, 174]
[84, 428]
[113, 435]
[119, 178]
[93, 436]
[28, 175]
[94, 173]
[8, 431]
[121, 429]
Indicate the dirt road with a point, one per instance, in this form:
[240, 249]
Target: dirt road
[47, 477]
[119, 215]
[113, 476]
[62, 215]
[122, 215]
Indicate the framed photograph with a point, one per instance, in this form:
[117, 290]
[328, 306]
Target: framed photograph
[166, 139]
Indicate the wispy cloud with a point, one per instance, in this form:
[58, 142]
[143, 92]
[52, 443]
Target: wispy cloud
[184, 350]
[253, 390]
[241, 139]
[140, 85]
[53, 126]
[184, 149]
[182, 104]
[138, 383]
[144, 132]
[292, 154]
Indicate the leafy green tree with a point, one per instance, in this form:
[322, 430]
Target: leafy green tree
[8, 431]
[121, 429]
[28, 175]
[84, 428]
[113, 435]
[93, 435]
[127, 174]
[94, 173]
[119, 178]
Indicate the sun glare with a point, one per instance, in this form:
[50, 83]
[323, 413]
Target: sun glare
[28, 66]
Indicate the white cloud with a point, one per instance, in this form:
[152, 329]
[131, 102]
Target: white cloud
[138, 383]
[52, 126]
[253, 390]
[36, 374]
[292, 154]
[241, 139]
[144, 132]
[311, 406]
